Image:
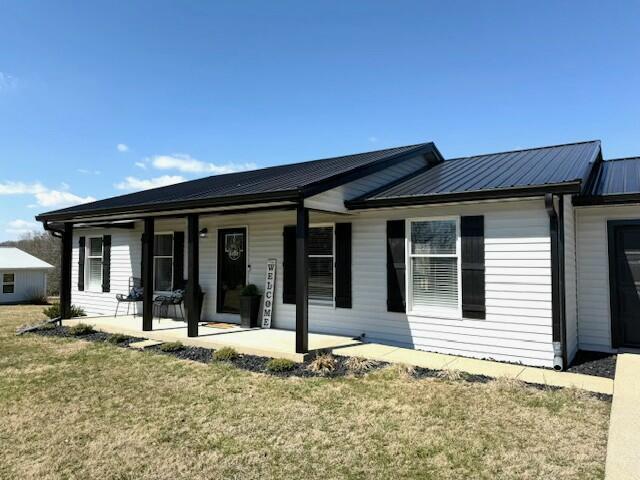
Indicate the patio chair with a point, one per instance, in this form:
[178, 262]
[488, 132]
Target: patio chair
[134, 295]
[163, 302]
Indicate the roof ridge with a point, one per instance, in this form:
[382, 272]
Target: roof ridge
[523, 150]
[415, 145]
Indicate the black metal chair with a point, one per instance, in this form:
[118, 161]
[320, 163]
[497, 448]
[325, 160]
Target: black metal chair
[163, 302]
[134, 295]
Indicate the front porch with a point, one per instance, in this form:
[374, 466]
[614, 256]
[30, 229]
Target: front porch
[276, 343]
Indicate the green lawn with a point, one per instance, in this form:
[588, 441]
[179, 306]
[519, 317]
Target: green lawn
[73, 409]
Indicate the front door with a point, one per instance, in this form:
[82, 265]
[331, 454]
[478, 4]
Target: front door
[232, 268]
[625, 283]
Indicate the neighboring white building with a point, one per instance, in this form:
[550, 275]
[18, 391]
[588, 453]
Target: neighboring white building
[507, 256]
[22, 276]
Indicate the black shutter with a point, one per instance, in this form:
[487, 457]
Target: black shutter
[396, 266]
[81, 252]
[289, 264]
[178, 260]
[343, 265]
[106, 263]
[472, 245]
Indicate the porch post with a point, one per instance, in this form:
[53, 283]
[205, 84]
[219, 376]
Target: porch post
[147, 274]
[193, 275]
[302, 280]
[65, 271]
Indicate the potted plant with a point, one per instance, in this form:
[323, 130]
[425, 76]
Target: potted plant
[249, 306]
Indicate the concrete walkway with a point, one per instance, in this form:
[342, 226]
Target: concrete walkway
[437, 361]
[623, 448]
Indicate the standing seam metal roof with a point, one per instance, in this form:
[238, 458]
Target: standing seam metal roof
[281, 178]
[619, 176]
[515, 169]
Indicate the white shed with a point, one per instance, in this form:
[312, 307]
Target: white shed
[22, 276]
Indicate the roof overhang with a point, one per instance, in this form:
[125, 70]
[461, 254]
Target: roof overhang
[240, 202]
[478, 195]
[610, 199]
[245, 202]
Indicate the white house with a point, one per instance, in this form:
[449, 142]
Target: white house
[522, 256]
[23, 276]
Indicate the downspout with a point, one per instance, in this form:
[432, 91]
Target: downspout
[556, 229]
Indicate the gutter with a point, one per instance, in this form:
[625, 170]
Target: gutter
[558, 308]
[474, 195]
[54, 231]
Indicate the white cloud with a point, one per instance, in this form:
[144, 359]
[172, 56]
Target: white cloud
[133, 183]
[20, 227]
[57, 198]
[7, 82]
[84, 171]
[44, 196]
[141, 165]
[185, 163]
[373, 139]
[122, 147]
[20, 188]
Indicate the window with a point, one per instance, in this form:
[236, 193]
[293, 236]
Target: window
[321, 265]
[163, 263]
[8, 283]
[434, 266]
[94, 264]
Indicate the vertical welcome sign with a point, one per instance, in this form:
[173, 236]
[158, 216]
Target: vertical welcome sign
[269, 285]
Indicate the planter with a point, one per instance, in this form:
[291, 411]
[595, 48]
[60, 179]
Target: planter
[249, 310]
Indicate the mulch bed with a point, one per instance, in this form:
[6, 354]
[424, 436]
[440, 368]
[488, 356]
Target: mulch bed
[59, 331]
[594, 363]
[589, 363]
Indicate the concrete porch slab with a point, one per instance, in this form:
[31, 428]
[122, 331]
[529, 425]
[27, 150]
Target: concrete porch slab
[273, 343]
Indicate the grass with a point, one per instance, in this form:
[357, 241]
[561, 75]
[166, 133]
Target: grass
[81, 329]
[75, 409]
[225, 354]
[171, 346]
[277, 365]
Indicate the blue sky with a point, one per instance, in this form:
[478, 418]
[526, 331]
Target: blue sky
[102, 98]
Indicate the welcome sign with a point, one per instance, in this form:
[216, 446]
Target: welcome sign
[269, 285]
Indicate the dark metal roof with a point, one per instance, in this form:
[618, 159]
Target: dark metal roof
[614, 181]
[280, 183]
[560, 168]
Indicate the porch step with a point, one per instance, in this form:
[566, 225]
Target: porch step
[141, 345]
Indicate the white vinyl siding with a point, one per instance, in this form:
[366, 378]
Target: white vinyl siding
[594, 312]
[517, 327]
[570, 282]
[27, 284]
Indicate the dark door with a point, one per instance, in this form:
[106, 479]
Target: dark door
[232, 268]
[625, 284]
